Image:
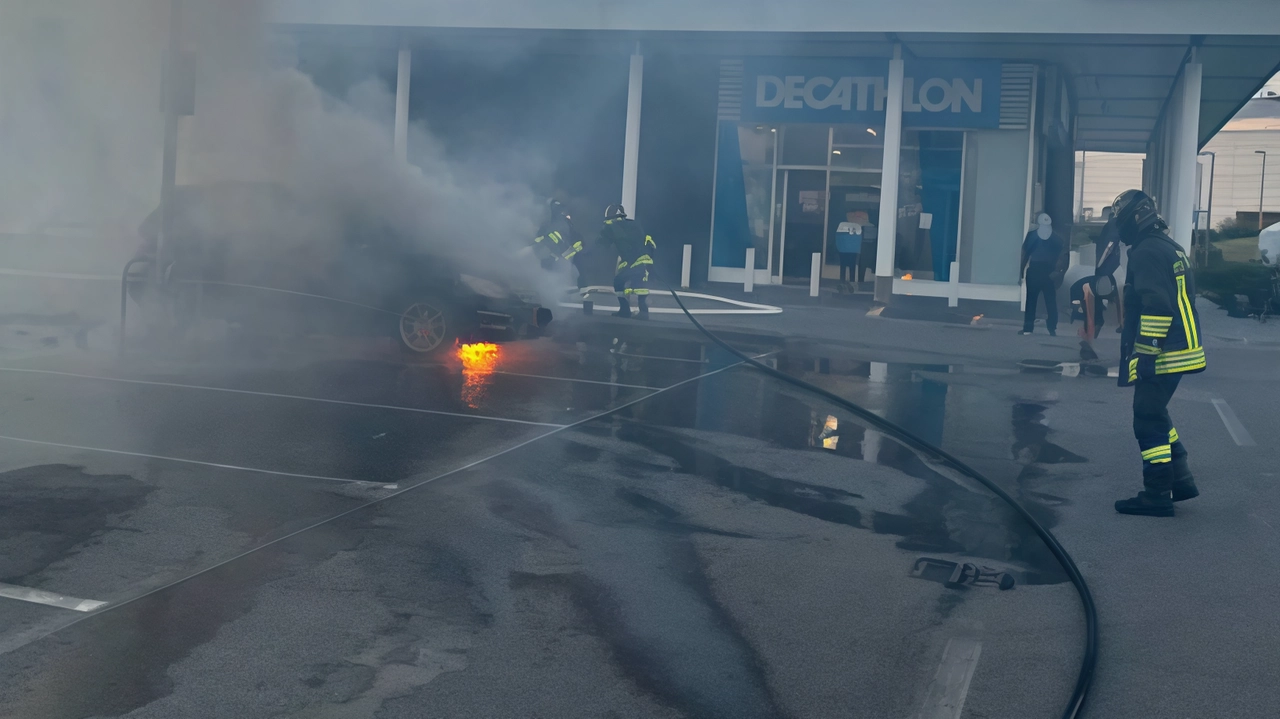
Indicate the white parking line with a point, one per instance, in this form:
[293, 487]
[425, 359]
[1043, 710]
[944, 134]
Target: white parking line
[37, 596]
[1234, 426]
[276, 395]
[946, 694]
[575, 379]
[196, 461]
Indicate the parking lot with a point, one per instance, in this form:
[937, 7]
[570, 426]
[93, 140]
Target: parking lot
[619, 520]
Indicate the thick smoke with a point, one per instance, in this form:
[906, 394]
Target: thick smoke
[81, 142]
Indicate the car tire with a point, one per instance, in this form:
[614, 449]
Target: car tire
[426, 325]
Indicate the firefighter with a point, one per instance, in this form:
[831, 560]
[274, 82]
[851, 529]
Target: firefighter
[556, 240]
[635, 260]
[1160, 344]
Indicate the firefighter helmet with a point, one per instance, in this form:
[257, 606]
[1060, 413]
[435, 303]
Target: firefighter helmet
[1135, 215]
[613, 212]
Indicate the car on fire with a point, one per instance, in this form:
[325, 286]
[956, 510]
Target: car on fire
[255, 255]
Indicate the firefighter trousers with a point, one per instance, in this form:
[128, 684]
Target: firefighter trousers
[1157, 438]
[632, 279]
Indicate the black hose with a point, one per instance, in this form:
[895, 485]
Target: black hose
[1075, 708]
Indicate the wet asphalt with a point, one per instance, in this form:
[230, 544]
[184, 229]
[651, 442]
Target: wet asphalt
[615, 521]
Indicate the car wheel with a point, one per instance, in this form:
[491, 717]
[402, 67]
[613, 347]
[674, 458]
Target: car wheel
[425, 326]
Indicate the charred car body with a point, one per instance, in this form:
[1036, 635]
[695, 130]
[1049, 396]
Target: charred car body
[256, 256]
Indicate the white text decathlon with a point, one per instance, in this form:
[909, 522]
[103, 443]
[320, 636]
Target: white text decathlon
[848, 93]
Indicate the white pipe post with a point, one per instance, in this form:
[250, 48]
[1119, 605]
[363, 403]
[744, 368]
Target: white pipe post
[402, 103]
[631, 150]
[887, 232]
[749, 273]
[1185, 161]
[815, 274]
[686, 266]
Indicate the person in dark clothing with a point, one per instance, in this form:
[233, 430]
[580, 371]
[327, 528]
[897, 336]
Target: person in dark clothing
[1160, 344]
[556, 241]
[634, 260]
[1041, 251]
[1107, 252]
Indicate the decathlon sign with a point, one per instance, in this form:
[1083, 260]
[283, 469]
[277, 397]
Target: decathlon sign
[959, 93]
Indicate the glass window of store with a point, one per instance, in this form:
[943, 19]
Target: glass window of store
[828, 173]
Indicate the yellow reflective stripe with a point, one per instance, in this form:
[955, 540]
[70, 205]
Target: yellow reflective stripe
[639, 291]
[1158, 455]
[1133, 370]
[1180, 361]
[555, 237]
[1173, 436]
[622, 265]
[1143, 349]
[539, 238]
[1184, 306]
[642, 260]
[648, 240]
[1154, 325]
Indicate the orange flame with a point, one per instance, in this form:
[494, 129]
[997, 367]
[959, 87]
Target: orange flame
[907, 276]
[479, 360]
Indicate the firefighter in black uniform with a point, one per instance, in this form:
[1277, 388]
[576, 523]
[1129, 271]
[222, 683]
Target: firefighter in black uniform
[1160, 343]
[635, 260]
[556, 240]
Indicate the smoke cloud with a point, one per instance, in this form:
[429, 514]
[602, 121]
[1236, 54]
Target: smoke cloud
[81, 142]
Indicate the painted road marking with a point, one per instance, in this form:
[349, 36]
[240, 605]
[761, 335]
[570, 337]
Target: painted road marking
[196, 461]
[1234, 426]
[36, 596]
[946, 694]
[276, 395]
[575, 379]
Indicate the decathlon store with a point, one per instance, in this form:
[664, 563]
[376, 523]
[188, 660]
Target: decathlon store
[800, 148]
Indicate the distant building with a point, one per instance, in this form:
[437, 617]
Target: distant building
[1237, 181]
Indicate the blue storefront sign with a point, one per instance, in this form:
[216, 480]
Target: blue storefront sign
[936, 93]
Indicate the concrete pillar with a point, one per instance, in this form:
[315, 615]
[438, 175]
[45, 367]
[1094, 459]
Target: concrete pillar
[1183, 150]
[403, 73]
[887, 230]
[631, 150]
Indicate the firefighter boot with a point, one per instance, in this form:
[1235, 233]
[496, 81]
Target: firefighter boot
[624, 308]
[1155, 499]
[1184, 484]
[642, 304]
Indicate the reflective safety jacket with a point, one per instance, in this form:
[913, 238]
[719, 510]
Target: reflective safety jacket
[556, 239]
[1160, 314]
[628, 237]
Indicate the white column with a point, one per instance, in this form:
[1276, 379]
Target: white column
[815, 274]
[887, 231]
[686, 266]
[631, 152]
[1181, 212]
[402, 103]
[749, 271]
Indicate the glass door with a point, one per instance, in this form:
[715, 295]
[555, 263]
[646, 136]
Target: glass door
[804, 221]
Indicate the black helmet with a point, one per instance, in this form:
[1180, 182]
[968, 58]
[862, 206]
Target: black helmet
[555, 206]
[1135, 215]
[613, 212]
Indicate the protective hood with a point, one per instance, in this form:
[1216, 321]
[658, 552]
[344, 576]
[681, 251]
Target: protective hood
[1044, 229]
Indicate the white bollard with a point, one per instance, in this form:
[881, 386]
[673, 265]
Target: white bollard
[686, 267]
[749, 276]
[815, 274]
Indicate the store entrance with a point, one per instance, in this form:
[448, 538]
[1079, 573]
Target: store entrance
[804, 219]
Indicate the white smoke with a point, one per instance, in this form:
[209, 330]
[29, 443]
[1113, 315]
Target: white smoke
[81, 134]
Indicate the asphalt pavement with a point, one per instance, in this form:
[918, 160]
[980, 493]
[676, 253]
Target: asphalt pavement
[620, 520]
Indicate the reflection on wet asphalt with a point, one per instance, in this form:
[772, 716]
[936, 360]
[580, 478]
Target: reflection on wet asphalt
[731, 547]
